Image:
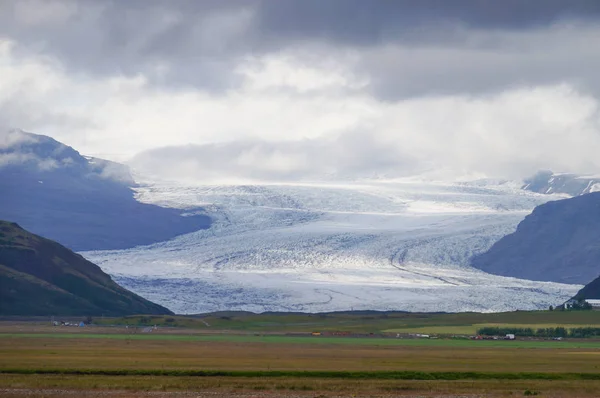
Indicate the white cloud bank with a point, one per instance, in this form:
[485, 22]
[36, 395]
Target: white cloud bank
[294, 117]
[509, 135]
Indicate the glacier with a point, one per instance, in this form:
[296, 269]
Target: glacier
[377, 244]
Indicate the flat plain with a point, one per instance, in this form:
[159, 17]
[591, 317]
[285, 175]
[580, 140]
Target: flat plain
[40, 360]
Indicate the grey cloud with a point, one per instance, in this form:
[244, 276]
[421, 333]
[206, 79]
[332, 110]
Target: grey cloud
[187, 42]
[25, 111]
[367, 22]
[10, 138]
[42, 153]
[349, 156]
[546, 57]
[110, 170]
[13, 151]
[409, 48]
[509, 135]
[10, 159]
[199, 43]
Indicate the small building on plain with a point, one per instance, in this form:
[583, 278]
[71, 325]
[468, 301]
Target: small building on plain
[595, 303]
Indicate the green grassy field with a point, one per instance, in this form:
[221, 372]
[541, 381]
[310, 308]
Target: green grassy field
[312, 340]
[371, 322]
[80, 353]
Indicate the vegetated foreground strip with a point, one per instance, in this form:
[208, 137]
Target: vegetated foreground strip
[472, 329]
[285, 387]
[378, 375]
[289, 370]
[359, 321]
[282, 339]
[173, 355]
[353, 322]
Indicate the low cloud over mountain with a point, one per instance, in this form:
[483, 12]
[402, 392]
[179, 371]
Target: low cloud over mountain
[500, 90]
[84, 203]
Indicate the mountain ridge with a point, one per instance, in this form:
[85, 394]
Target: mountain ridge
[83, 203]
[41, 277]
[557, 242]
[589, 291]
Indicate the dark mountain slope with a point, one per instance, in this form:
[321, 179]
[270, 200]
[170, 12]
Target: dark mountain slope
[559, 241]
[589, 291]
[83, 203]
[41, 277]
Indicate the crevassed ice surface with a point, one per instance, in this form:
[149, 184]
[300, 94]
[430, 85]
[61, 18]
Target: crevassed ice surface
[378, 245]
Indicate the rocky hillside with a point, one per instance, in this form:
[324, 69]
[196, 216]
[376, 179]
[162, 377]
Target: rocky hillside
[559, 241]
[83, 203]
[41, 277]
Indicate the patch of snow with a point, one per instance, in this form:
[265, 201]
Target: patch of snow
[588, 177]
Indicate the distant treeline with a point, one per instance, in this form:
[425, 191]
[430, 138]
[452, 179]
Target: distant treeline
[542, 332]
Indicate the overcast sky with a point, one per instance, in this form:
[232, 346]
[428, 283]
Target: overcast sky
[288, 89]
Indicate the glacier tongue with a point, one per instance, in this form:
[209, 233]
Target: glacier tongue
[379, 245]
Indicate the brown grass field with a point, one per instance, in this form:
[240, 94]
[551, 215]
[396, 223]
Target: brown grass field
[102, 386]
[78, 352]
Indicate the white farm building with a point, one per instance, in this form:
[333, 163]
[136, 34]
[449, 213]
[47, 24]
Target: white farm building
[595, 303]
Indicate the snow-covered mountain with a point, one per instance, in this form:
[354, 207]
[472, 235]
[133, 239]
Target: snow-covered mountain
[547, 182]
[372, 244]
